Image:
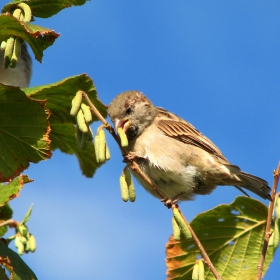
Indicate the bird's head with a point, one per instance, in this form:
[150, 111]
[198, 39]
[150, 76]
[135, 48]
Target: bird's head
[132, 111]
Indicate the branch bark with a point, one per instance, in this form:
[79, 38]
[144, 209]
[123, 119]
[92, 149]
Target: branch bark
[268, 222]
[10, 222]
[134, 166]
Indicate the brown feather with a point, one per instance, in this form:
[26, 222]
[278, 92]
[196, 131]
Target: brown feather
[188, 163]
[183, 131]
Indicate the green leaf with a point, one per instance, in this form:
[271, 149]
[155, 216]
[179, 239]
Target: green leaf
[24, 132]
[43, 8]
[59, 97]
[27, 215]
[233, 237]
[3, 275]
[18, 269]
[11, 190]
[6, 213]
[63, 137]
[59, 101]
[38, 38]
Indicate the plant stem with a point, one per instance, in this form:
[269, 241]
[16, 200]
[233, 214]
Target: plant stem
[106, 124]
[200, 247]
[268, 222]
[94, 109]
[135, 167]
[9, 222]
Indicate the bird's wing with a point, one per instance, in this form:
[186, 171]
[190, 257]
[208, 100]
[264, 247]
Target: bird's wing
[183, 131]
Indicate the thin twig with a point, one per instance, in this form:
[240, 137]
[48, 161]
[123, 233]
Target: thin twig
[106, 124]
[94, 109]
[268, 222]
[201, 248]
[135, 167]
[9, 222]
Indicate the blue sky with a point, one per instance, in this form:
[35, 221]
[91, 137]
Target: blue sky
[214, 63]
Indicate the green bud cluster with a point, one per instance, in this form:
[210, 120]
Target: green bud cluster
[181, 224]
[127, 186]
[24, 241]
[84, 118]
[198, 271]
[123, 137]
[102, 152]
[12, 47]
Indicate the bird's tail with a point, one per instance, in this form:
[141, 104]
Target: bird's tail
[255, 185]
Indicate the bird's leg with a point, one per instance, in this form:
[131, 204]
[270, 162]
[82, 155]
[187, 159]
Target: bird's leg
[168, 202]
[130, 157]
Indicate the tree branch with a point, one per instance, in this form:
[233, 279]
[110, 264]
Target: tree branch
[11, 222]
[200, 247]
[135, 167]
[106, 124]
[268, 222]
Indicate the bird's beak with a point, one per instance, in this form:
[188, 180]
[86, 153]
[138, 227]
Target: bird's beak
[123, 123]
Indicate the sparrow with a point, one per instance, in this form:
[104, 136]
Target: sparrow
[21, 74]
[175, 156]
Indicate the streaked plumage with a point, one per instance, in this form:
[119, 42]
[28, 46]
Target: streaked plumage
[175, 155]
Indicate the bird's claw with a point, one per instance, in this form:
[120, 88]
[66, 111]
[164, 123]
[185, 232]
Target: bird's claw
[130, 157]
[168, 202]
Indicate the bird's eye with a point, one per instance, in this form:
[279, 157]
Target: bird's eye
[128, 110]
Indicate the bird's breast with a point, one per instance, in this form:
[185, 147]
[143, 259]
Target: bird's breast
[165, 161]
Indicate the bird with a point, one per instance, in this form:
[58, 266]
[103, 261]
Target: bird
[178, 159]
[21, 74]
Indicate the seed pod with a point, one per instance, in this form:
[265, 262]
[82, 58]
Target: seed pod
[3, 45]
[96, 147]
[26, 10]
[181, 223]
[90, 134]
[16, 53]
[176, 229]
[17, 240]
[122, 135]
[107, 153]
[81, 122]
[195, 273]
[271, 239]
[277, 206]
[132, 193]
[21, 18]
[9, 51]
[23, 230]
[20, 248]
[27, 246]
[276, 234]
[23, 240]
[78, 135]
[201, 275]
[129, 182]
[101, 145]
[76, 103]
[32, 243]
[124, 188]
[87, 113]
[17, 13]
[84, 140]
